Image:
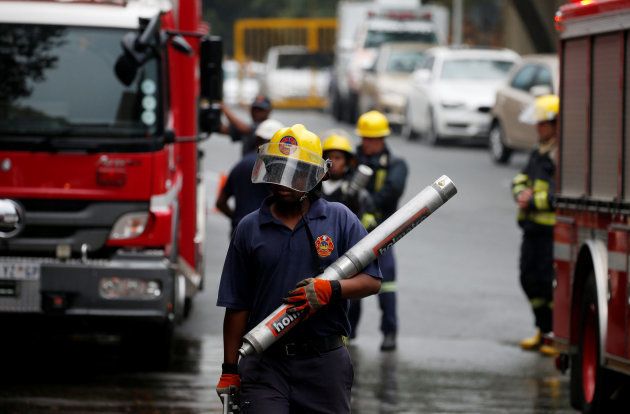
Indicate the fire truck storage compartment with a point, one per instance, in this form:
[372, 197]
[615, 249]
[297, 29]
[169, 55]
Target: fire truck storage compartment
[574, 106]
[606, 116]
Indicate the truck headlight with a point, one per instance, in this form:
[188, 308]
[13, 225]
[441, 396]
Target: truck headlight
[128, 288]
[129, 225]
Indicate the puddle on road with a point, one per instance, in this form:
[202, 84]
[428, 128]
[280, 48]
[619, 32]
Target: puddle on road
[71, 377]
[386, 384]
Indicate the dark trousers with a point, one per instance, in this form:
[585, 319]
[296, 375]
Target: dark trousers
[386, 299]
[537, 275]
[282, 385]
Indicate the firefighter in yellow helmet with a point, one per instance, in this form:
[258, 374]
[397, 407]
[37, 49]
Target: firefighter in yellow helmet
[533, 191]
[274, 256]
[385, 187]
[346, 181]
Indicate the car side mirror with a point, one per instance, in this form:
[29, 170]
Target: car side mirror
[540, 90]
[422, 76]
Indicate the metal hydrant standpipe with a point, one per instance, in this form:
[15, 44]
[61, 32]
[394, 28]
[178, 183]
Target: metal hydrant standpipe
[356, 259]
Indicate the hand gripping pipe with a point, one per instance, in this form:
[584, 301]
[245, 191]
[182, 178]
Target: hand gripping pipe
[356, 259]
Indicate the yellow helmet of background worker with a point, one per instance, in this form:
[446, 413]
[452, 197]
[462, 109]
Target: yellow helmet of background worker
[292, 159]
[544, 108]
[373, 124]
[337, 142]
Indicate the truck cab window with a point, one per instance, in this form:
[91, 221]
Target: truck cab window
[59, 81]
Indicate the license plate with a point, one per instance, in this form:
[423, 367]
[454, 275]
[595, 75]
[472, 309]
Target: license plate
[19, 271]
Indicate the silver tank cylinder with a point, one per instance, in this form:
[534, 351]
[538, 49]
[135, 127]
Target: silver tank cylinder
[379, 240]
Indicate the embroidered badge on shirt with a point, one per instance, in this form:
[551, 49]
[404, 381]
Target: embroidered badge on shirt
[324, 245]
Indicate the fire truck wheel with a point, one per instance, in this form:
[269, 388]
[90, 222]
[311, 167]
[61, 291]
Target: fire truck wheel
[591, 384]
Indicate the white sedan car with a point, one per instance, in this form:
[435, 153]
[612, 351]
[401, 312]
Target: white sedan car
[453, 90]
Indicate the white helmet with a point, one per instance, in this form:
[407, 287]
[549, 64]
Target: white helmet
[268, 128]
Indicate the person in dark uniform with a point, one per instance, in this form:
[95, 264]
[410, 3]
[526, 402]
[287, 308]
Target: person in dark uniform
[240, 130]
[533, 191]
[273, 257]
[339, 186]
[247, 196]
[386, 187]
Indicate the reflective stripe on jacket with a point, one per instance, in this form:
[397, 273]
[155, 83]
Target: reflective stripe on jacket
[539, 176]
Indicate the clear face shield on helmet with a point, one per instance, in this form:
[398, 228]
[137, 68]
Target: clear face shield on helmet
[290, 166]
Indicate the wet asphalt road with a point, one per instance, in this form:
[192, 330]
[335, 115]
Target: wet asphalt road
[461, 316]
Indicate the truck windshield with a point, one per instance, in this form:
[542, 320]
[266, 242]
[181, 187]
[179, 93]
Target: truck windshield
[375, 38]
[475, 69]
[59, 81]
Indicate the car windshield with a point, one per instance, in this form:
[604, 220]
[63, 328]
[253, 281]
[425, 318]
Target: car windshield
[60, 81]
[480, 69]
[305, 60]
[375, 38]
[404, 61]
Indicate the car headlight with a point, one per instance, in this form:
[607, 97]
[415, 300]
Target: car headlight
[453, 105]
[128, 288]
[129, 225]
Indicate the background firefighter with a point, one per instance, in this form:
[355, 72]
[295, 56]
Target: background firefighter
[278, 249]
[386, 187]
[338, 149]
[247, 196]
[533, 190]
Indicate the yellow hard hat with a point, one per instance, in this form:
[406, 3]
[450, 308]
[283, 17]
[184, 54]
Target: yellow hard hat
[337, 142]
[292, 158]
[373, 124]
[546, 108]
[542, 109]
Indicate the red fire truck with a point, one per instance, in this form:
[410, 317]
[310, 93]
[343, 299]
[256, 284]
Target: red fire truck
[102, 105]
[592, 234]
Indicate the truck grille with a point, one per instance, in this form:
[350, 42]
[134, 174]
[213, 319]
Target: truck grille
[49, 223]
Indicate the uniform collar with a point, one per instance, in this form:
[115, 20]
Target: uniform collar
[318, 209]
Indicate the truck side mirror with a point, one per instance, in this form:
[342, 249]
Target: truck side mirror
[211, 69]
[137, 50]
[211, 73]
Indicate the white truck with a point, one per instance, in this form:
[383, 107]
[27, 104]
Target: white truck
[362, 27]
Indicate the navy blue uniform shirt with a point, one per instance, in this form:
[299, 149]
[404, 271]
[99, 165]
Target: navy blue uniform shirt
[247, 195]
[266, 260]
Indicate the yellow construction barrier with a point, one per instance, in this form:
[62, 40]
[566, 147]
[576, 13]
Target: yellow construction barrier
[253, 37]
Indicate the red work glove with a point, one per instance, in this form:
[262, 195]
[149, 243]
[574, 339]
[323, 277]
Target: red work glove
[311, 294]
[228, 384]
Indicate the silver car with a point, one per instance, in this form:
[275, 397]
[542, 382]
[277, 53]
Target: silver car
[452, 92]
[386, 84]
[535, 75]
